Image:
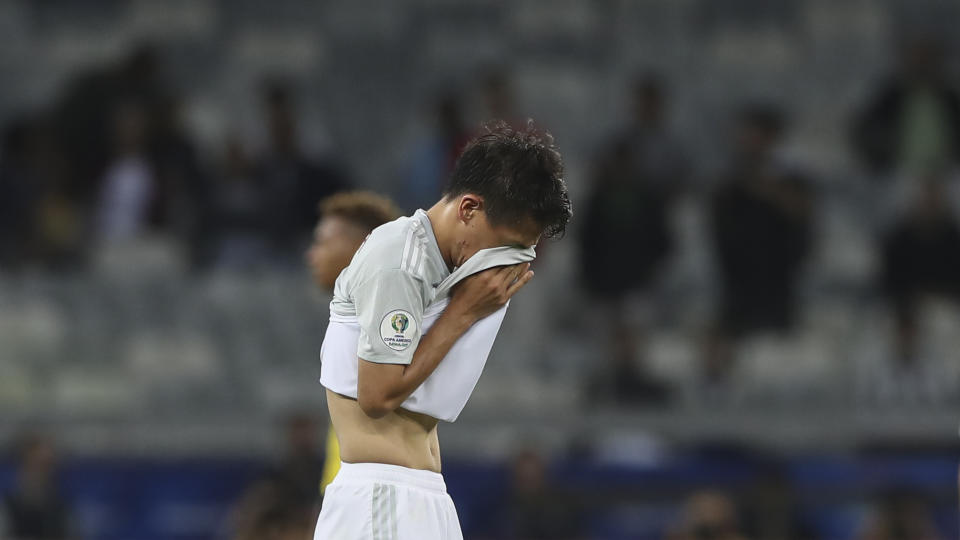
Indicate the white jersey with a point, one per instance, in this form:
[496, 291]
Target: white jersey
[388, 285]
[395, 288]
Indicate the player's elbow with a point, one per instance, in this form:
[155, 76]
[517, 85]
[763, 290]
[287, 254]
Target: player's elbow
[379, 389]
[374, 409]
[375, 405]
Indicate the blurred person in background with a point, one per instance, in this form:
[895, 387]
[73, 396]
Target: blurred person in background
[292, 180]
[708, 515]
[640, 173]
[129, 190]
[771, 510]
[434, 156]
[911, 123]
[38, 221]
[183, 205]
[20, 191]
[85, 118]
[345, 221]
[237, 231]
[34, 509]
[287, 496]
[760, 220]
[497, 99]
[921, 258]
[900, 515]
[298, 475]
[279, 523]
[536, 509]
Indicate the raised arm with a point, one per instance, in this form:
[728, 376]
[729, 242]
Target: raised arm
[382, 387]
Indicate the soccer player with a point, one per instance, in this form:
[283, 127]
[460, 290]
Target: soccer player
[412, 321]
[345, 221]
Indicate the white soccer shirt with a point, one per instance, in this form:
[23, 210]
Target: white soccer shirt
[395, 288]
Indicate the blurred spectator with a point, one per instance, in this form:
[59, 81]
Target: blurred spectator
[34, 510]
[772, 512]
[129, 187]
[290, 493]
[496, 97]
[86, 115]
[900, 516]
[38, 222]
[281, 523]
[19, 191]
[237, 233]
[638, 177]
[434, 156]
[761, 227]
[708, 515]
[921, 257]
[292, 181]
[298, 475]
[912, 122]
[183, 204]
[626, 233]
[537, 510]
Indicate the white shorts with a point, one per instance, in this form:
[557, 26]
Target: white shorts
[374, 501]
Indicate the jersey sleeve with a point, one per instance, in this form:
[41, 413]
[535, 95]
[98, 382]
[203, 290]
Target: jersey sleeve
[389, 308]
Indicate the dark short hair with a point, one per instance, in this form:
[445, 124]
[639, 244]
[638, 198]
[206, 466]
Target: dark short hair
[519, 174]
[364, 209]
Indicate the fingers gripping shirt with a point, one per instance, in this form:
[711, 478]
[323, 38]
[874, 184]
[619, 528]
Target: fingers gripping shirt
[390, 311]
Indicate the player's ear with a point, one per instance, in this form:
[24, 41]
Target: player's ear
[468, 207]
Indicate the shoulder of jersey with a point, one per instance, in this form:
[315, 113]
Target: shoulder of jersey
[400, 244]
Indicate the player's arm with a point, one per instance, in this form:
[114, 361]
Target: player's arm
[382, 386]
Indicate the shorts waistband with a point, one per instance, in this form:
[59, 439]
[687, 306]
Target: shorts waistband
[390, 474]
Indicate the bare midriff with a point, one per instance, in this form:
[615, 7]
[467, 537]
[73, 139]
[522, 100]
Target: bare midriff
[400, 437]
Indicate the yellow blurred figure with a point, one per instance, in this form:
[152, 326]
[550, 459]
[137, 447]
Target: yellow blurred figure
[345, 221]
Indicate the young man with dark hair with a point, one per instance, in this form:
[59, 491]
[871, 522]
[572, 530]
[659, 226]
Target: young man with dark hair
[412, 322]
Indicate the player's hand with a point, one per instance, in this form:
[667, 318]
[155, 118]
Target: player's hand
[485, 292]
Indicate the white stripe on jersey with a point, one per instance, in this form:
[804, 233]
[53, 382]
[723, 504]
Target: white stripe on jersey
[415, 250]
[406, 249]
[422, 259]
[416, 257]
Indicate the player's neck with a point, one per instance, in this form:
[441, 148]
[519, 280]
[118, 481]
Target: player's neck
[440, 220]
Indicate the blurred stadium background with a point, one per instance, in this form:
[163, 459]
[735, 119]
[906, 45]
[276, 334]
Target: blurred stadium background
[752, 330]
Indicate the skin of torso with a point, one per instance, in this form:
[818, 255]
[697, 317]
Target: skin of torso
[400, 437]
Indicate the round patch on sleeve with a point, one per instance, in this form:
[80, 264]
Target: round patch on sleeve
[398, 329]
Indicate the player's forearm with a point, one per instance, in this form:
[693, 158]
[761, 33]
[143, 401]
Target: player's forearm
[432, 349]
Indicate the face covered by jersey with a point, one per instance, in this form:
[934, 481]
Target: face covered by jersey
[472, 230]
